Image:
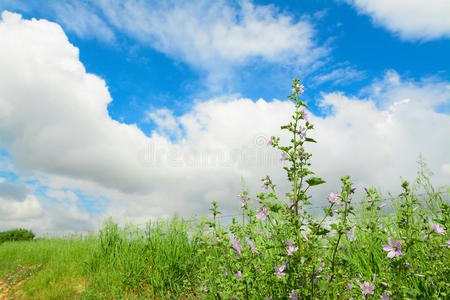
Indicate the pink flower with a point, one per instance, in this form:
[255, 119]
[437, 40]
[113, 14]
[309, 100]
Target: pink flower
[301, 88]
[243, 199]
[334, 198]
[269, 143]
[367, 288]
[305, 115]
[293, 295]
[305, 237]
[279, 271]
[393, 248]
[438, 229]
[253, 247]
[236, 245]
[350, 285]
[238, 248]
[239, 274]
[262, 214]
[291, 248]
[283, 156]
[386, 295]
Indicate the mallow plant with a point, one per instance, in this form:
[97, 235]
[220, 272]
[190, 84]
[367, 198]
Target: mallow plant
[280, 250]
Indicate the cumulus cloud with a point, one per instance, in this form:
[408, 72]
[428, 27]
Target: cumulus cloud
[54, 122]
[165, 121]
[13, 191]
[410, 19]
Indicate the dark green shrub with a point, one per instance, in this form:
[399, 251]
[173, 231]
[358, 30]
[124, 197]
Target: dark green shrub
[16, 235]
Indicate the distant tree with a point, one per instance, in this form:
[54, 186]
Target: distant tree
[16, 235]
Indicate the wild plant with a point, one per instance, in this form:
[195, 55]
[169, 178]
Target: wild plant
[280, 250]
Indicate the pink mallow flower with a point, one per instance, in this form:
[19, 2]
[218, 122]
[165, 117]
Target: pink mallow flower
[367, 288]
[236, 245]
[283, 156]
[238, 248]
[438, 229]
[386, 295]
[293, 295]
[243, 199]
[291, 248]
[262, 213]
[393, 248]
[279, 271]
[239, 274]
[305, 115]
[253, 247]
[334, 198]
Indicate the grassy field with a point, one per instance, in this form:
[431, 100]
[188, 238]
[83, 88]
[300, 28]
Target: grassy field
[173, 260]
[372, 247]
[157, 262]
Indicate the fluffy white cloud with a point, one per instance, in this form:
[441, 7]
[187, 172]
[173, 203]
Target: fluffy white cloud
[54, 122]
[165, 121]
[410, 19]
[29, 208]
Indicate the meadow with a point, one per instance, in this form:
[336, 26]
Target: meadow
[376, 246]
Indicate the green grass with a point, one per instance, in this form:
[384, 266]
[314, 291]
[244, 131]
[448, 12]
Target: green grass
[171, 259]
[62, 272]
[159, 262]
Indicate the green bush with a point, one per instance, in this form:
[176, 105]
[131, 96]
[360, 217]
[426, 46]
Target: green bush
[16, 235]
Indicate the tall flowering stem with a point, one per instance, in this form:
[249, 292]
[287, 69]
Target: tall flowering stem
[345, 196]
[299, 158]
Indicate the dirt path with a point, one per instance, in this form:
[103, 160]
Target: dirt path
[5, 291]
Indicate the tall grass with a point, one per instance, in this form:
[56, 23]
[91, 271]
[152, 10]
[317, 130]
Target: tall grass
[170, 259]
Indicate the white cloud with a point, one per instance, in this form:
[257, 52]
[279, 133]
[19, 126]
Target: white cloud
[79, 18]
[343, 76]
[54, 122]
[165, 121]
[215, 37]
[29, 208]
[410, 19]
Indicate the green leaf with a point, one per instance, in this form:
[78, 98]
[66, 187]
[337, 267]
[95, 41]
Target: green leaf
[315, 181]
[310, 140]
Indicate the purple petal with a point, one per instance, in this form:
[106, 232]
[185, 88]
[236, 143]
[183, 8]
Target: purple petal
[391, 241]
[387, 248]
[391, 254]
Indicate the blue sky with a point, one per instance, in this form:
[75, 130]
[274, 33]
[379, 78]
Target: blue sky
[171, 68]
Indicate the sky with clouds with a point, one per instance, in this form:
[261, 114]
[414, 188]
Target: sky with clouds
[146, 109]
